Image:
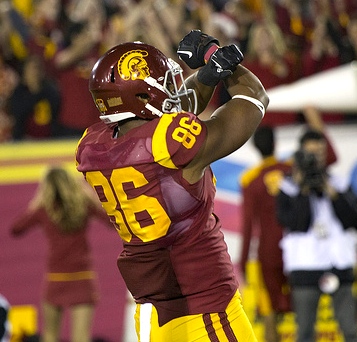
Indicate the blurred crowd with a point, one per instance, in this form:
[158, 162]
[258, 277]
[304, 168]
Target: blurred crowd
[48, 48]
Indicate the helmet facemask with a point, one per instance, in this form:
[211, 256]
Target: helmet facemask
[171, 88]
[176, 93]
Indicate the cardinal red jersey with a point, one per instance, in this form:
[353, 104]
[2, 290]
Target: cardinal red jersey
[174, 253]
[260, 186]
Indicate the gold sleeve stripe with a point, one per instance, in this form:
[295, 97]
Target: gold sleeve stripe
[70, 276]
[159, 145]
[84, 134]
[248, 176]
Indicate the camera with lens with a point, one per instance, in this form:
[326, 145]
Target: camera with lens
[313, 174]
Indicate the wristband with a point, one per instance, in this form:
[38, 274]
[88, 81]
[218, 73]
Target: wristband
[212, 49]
[252, 100]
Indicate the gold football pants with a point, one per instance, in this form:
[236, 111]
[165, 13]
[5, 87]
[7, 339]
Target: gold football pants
[232, 325]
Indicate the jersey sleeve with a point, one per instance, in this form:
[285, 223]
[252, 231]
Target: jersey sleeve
[177, 139]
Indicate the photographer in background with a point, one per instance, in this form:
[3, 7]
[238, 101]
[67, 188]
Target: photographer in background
[319, 214]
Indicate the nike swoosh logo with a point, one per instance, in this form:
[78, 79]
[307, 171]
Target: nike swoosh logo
[217, 64]
[188, 53]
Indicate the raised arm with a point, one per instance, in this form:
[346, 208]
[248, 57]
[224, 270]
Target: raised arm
[232, 124]
[315, 121]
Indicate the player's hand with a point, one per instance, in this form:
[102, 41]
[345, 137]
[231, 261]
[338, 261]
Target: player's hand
[221, 65]
[196, 48]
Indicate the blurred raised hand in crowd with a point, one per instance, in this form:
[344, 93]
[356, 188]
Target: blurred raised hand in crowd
[283, 39]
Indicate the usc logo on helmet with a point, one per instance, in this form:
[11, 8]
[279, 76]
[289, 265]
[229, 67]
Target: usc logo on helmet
[132, 65]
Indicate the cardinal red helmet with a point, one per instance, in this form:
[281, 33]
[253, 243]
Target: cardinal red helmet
[136, 79]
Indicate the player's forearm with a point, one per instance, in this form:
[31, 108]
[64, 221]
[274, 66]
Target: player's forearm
[241, 82]
[244, 82]
[203, 92]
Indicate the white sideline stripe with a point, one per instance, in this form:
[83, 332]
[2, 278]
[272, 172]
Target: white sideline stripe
[227, 196]
[145, 325]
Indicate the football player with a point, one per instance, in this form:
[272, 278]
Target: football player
[149, 160]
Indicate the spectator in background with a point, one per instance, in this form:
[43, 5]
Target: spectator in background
[13, 32]
[244, 18]
[35, 103]
[269, 59]
[224, 28]
[321, 54]
[81, 11]
[295, 19]
[66, 35]
[73, 62]
[63, 208]
[260, 186]
[164, 22]
[73, 65]
[261, 9]
[161, 25]
[347, 44]
[319, 215]
[339, 11]
[9, 79]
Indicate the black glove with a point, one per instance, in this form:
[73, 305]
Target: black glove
[221, 65]
[193, 47]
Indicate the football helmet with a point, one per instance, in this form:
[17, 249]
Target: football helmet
[137, 80]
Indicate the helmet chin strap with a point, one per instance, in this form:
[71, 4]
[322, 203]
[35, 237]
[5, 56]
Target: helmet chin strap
[152, 82]
[153, 110]
[116, 117]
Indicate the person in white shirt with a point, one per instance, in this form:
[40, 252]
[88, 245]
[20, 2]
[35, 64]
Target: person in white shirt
[319, 214]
